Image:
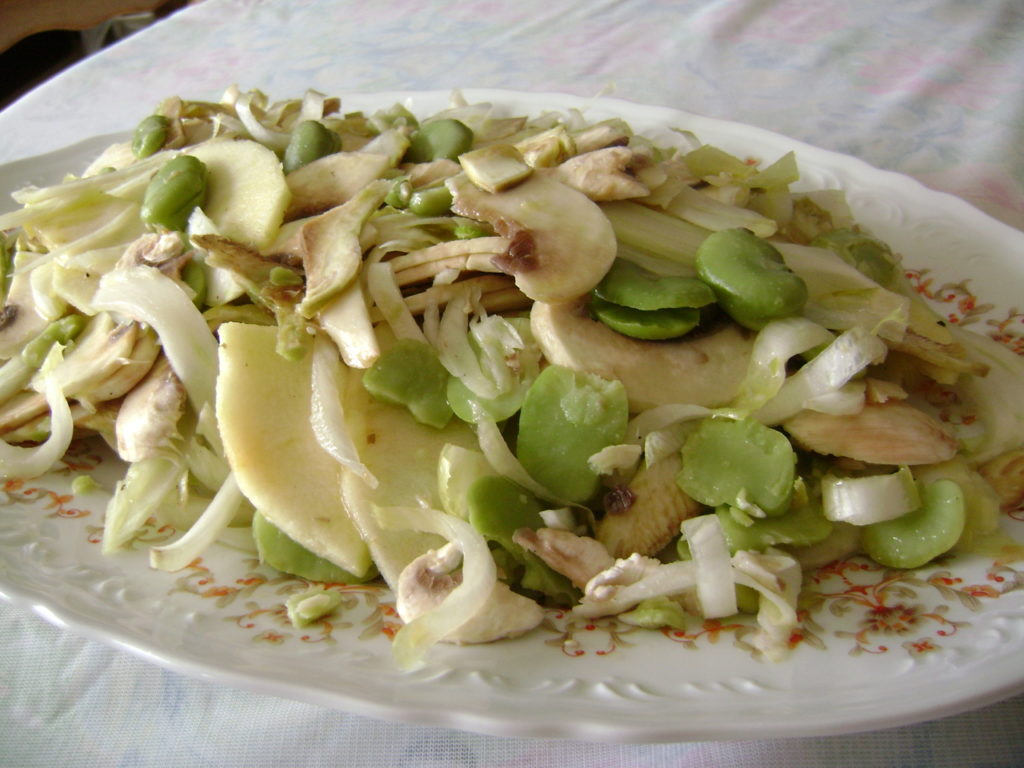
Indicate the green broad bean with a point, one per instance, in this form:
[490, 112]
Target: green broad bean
[918, 537]
[310, 140]
[567, 417]
[630, 285]
[738, 463]
[193, 274]
[430, 201]
[58, 332]
[410, 374]
[870, 256]
[174, 192]
[471, 408]
[800, 526]
[651, 325]
[439, 139]
[150, 135]
[749, 278]
[279, 551]
[498, 508]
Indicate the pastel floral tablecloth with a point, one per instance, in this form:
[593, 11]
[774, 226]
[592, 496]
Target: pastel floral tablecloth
[929, 88]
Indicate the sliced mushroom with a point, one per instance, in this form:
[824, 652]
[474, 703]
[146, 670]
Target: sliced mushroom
[893, 432]
[645, 515]
[579, 558]
[91, 370]
[703, 370]
[560, 242]
[602, 174]
[149, 414]
[428, 580]
[19, 320]
[165, 251]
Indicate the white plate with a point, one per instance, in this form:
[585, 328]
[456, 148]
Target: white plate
[877, 649]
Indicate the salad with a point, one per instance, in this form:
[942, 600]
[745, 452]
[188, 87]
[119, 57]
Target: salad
[499, 362]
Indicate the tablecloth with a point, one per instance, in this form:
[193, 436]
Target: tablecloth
[929, 88]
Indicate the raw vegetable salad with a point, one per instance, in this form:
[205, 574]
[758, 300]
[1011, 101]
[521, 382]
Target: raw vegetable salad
[500, 362]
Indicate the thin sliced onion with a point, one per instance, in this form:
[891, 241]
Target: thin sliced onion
[715, 588]
[775, 344]
[851, 352]
[244, 109]
[871, 499]
[179, 553]
[381, 285]
[776, 576]
[326, 415]
[456, 352]
[23, 463]
[499, 456]
[148, 296]
[479, 576]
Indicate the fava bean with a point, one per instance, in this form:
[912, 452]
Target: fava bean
[652, 325]
[445, 138]
[738, 463]
[918, 537]
[410, 374]
[176, 189]
[279, 551]
[749, 278]
[194, 276]
[498, 508]
[567, 417]
[310, 140]
[801, 526]
[430, 201]
[150, 135]
[630, 285]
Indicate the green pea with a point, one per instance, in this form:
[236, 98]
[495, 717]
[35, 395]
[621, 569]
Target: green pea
[58, 332]
[310, 140]
[567, 417]
[630, 285]
[801, 526]
[431, 201]
[872, 257]
[439, 139]
[738, 463]
[279, 551]
[916, 538]
[176, 189]
[150, 135]
[749, 278]
[652, 325]
[194, 276]
[411, 375]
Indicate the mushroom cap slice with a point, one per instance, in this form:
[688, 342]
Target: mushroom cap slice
[703, 370]
[561, 243]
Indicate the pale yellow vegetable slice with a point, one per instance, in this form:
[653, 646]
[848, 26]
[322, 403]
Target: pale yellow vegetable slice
[263, 409]
[246, 192]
